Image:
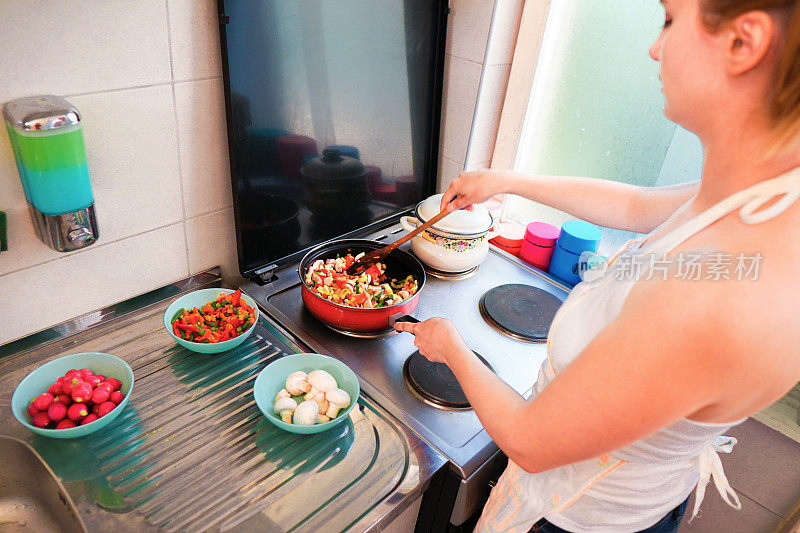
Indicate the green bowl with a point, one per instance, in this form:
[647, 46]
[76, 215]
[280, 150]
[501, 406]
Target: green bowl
[38, 381]
[273, 378]
[199, 298]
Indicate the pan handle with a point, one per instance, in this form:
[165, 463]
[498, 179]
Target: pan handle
[400, 317]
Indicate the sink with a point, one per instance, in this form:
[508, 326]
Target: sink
[31, 497]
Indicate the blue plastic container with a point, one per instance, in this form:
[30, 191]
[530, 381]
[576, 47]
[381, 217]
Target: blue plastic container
[576, 237]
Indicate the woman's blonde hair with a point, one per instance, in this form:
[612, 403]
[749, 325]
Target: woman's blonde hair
[785, 104]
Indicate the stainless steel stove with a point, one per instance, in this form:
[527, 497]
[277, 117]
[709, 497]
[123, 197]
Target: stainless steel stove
[379, 361]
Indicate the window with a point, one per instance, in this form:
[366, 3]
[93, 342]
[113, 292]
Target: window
[596, 108]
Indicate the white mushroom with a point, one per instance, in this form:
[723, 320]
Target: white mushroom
[297, 383]
[323, 418]
[321, 381]
[319, 398]
[282, 394]
[285, 407]
[306, 414]
[338, 399]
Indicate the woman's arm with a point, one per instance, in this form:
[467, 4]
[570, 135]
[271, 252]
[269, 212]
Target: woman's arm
[602, 202]
[635, 377]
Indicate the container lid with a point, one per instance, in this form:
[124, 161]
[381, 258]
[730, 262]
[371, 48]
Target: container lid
[36, 113]
[542, 234]
[509, 234]
[333, 165]
[462, 222]
[578, 236]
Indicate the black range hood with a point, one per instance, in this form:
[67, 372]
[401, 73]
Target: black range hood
[333, 111]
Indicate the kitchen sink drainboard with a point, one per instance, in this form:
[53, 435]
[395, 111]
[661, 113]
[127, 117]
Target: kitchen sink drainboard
[193, 452]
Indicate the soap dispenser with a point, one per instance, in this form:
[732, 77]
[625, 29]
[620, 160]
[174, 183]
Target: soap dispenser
[47, 139]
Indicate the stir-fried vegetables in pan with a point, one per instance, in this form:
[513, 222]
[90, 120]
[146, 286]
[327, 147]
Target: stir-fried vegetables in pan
[367, 290]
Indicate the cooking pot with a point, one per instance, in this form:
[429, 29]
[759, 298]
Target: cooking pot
[399, 264]
[335, 183]
[457, 243]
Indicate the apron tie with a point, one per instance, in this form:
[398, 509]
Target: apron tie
[711, 466]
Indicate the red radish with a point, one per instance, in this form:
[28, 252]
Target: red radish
[116, 397]
[89, 418]
[57, 411]
[56, 389]
[85, 372]
[105, 408]
[94, 381]
[69, 384]
[107, 386]
[66, 399]
[71, 374]
[100, 395]
[43, 401]
[32, 410]
[81, 392]
[114, 383]
[60, 380]
[101, 377]
[41, 420]
[96, 409]
[77, 411]
[65, 424]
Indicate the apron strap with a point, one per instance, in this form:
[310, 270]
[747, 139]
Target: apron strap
[711, 466]
[749, 200]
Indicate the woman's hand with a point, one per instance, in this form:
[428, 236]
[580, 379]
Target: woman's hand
[436, 338]
[473, 187]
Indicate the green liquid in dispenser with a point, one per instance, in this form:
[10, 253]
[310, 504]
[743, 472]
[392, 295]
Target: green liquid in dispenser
[53, 169]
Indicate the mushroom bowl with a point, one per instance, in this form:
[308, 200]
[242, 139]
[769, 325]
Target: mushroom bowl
[273, 379]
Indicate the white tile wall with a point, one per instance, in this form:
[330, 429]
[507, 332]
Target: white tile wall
[79, 46]
[98, 276]
[461, 81]
[469, 28]
[194, 39]
[146, 77]
[203, 142]
[448, 171]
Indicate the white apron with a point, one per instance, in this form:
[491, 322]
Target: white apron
[634, 487]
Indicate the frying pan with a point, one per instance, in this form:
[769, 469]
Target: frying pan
[399, 264]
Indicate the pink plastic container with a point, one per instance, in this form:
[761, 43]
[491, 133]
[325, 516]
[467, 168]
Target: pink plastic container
[539, 243]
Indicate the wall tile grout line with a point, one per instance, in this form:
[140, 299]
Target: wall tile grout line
[466, 59]
[137, 87]
[177, 136]
[91, 248]
[207, 78]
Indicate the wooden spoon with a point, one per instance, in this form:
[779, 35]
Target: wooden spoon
[374, 256]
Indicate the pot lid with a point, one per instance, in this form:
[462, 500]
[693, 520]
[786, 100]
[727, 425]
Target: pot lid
[461, 222]
[333, 165]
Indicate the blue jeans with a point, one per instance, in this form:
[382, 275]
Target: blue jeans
[668, 524]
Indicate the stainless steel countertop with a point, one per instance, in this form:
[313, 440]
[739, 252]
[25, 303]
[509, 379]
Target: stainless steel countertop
[378, 362]
[191, 451]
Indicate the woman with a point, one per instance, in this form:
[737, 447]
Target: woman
[643, 376]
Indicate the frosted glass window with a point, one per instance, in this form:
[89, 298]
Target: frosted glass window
[596, 107]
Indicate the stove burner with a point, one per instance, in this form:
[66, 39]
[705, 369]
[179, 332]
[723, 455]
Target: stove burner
[363, 334]
[519, 311]
[435, 383]
[452, 276]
